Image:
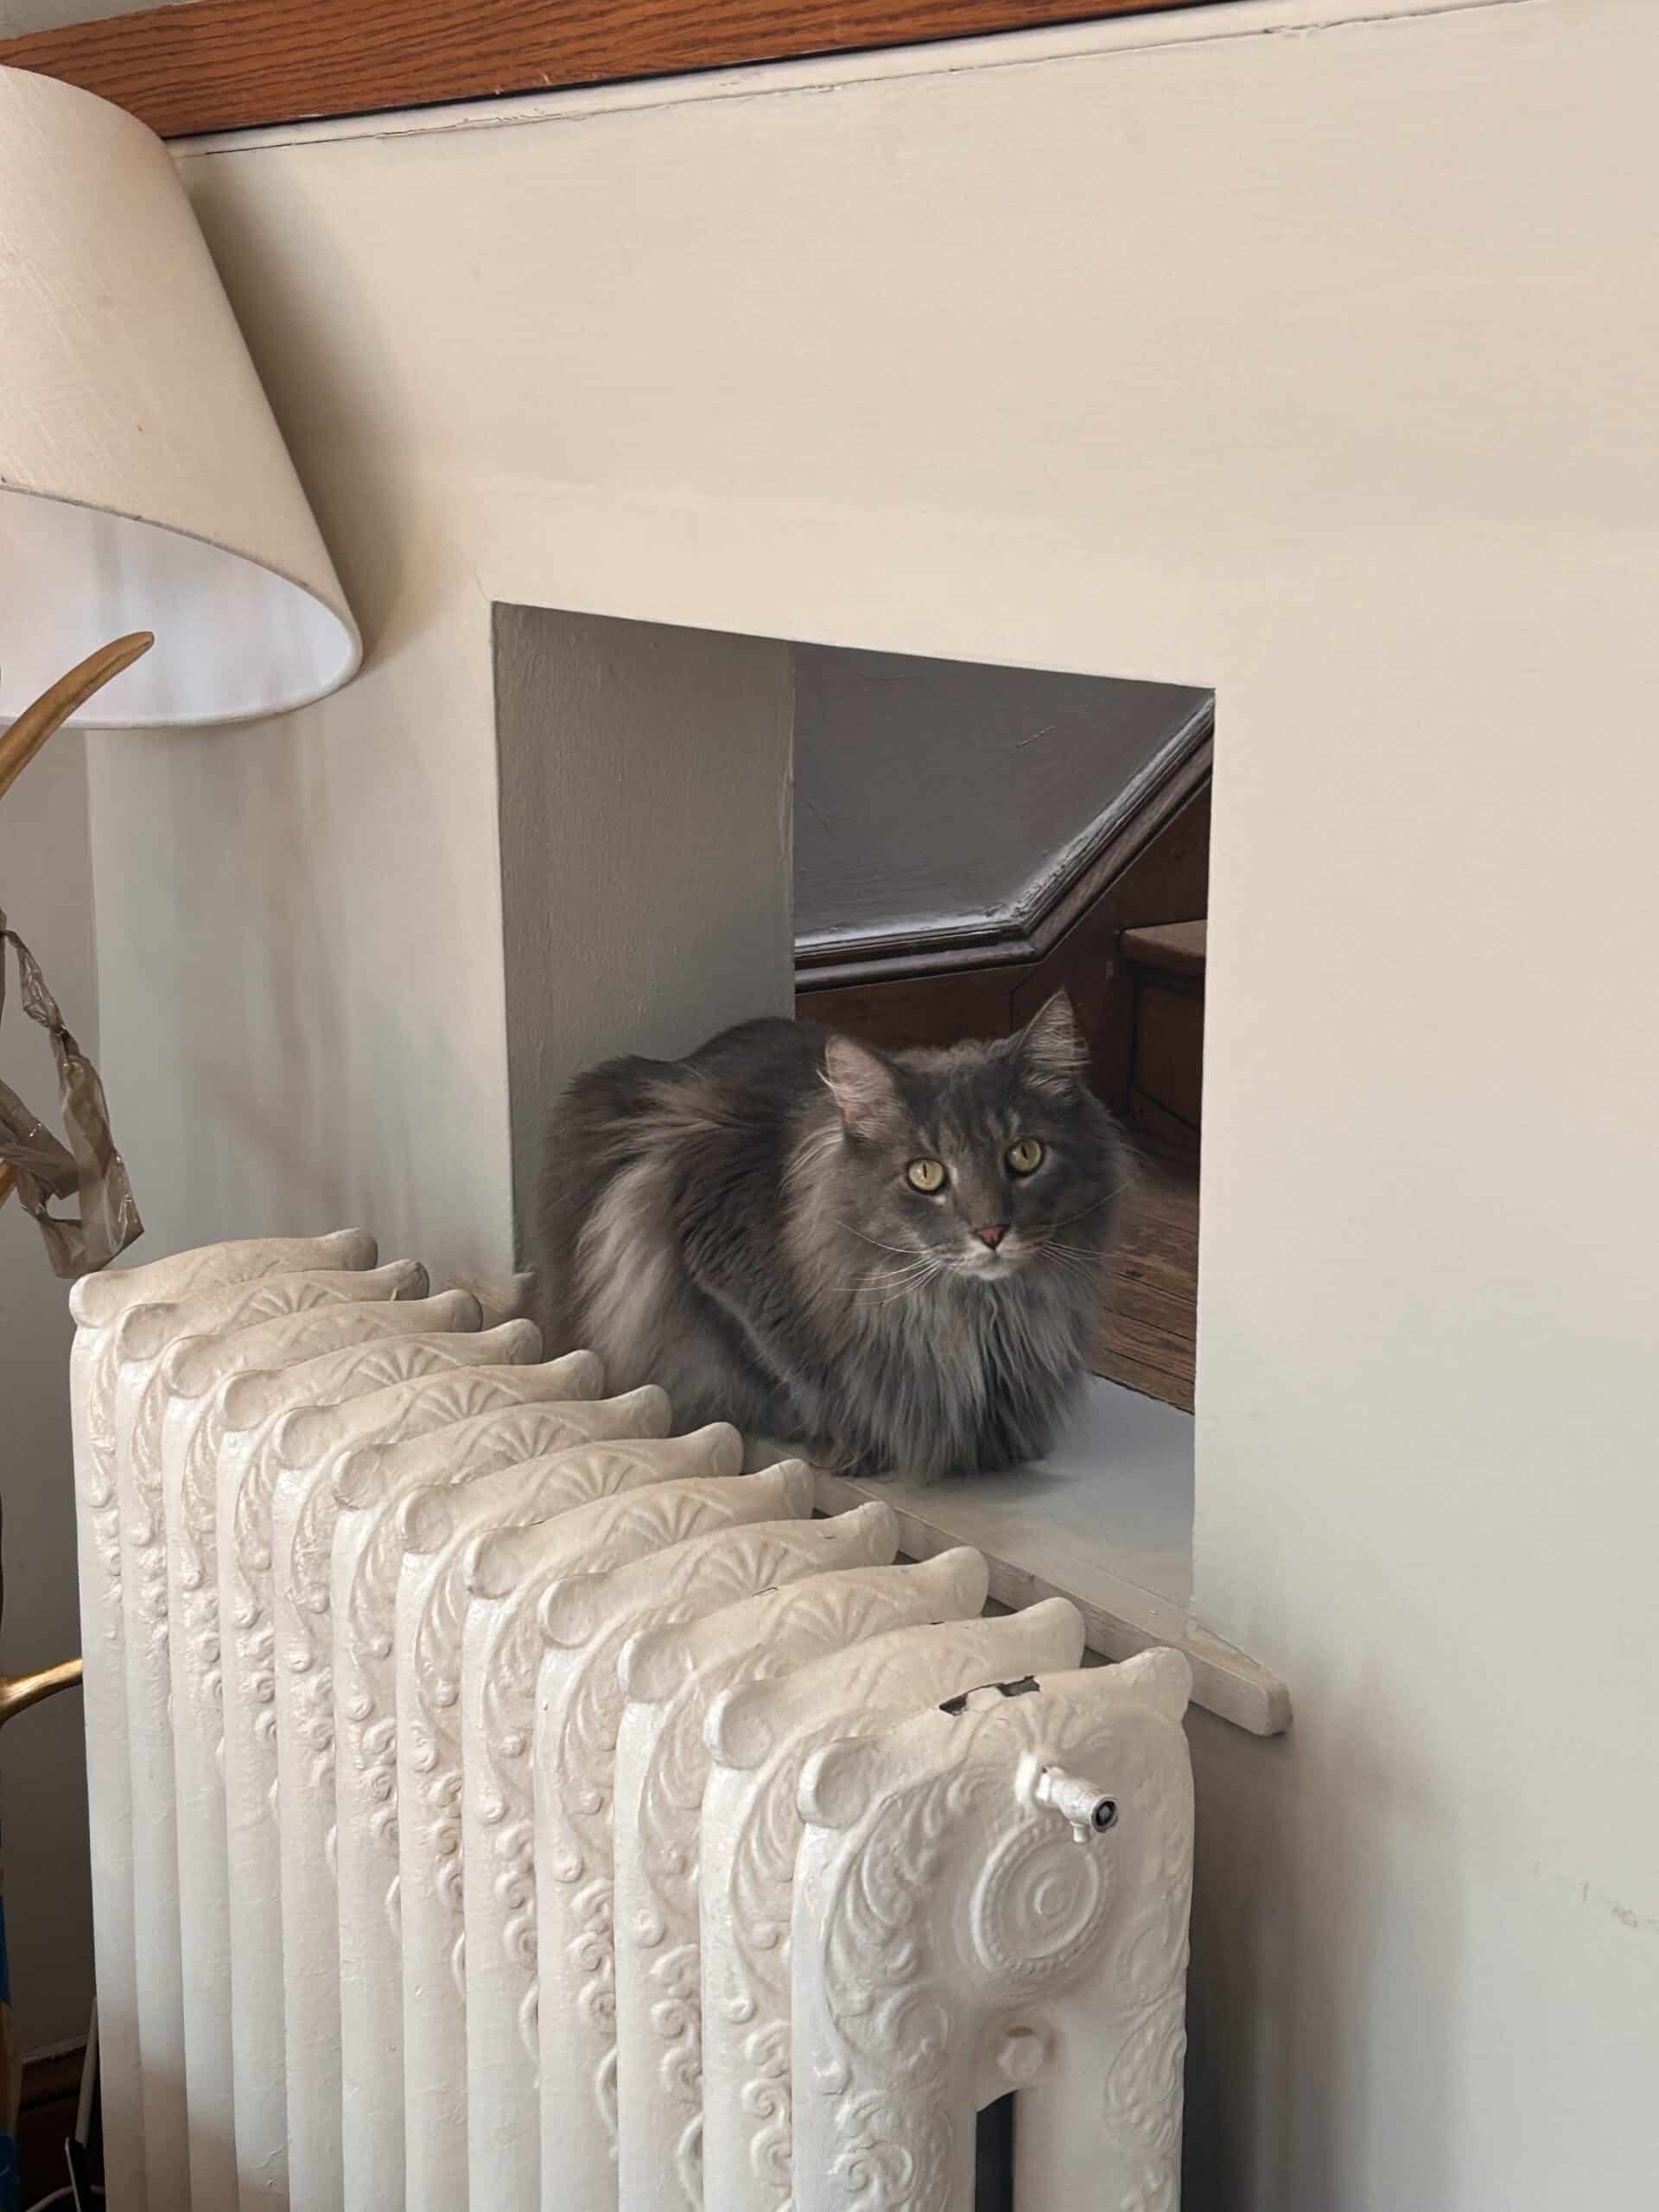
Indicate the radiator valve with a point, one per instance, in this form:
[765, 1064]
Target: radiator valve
[1085, 1804]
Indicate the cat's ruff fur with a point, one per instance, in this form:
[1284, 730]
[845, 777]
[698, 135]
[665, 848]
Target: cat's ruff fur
[737, 1227]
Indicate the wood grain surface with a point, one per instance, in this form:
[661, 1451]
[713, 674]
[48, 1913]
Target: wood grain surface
[1148, 1339]
[227, 65]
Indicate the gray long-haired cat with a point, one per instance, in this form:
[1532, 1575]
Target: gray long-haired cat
[894, 1258]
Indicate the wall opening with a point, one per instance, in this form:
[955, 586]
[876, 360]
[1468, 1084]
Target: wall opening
[699, 827]
[911, 849]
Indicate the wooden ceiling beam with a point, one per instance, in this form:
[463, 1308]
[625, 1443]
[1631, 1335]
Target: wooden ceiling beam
[232, 65]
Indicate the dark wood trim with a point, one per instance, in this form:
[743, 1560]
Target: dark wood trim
[1168, 875]
[231, 65]
[1121, 837]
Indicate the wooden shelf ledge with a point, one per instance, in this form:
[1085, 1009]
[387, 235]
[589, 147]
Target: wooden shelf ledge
[1172, 949]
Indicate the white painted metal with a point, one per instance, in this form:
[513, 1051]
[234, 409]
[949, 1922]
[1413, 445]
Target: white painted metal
[99, 1304]
[369, 1551]
[271, 1321]
[438, 1577]
[192, 1432]
[669, 1677]
[585, 1620]
[494, 1675]
[758, 1738]
[369, 1350]
[952, 1939]
[303, 1512]
[438, 1528]
[501, 1659]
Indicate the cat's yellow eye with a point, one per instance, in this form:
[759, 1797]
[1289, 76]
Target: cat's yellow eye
[1025, 1155]
[925, 1175]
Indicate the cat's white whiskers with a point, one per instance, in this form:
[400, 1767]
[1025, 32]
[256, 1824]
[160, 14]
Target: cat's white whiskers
[884, 1277]
[1072, 1260]
[1042, 1228]
[923, 1270]
[909, 1289]
[876, 1241]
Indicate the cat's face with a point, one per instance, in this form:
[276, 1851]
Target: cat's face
[982, 1160]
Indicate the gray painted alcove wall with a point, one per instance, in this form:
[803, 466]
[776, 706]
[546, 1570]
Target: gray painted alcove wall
[932, 792]
[635, 760]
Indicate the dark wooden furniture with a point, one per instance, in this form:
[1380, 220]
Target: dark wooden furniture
[227, 65]
[1165, 1093]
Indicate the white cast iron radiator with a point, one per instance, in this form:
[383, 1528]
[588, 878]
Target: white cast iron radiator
[499, 1801]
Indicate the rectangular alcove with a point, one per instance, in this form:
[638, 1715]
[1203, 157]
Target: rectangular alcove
[698, 827]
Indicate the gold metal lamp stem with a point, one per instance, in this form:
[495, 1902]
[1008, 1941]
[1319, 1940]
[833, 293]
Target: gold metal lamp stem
[19, 1692]
[19, 744]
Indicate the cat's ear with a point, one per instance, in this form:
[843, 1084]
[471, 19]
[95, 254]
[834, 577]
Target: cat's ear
[862, 1086]
[1051, 1045]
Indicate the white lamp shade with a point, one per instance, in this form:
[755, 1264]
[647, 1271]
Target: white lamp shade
[143, 482]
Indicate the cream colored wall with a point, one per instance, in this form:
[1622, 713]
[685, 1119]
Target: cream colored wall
[46, 889]
[1314, 366]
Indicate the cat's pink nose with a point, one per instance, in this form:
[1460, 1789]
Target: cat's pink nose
[994, 1235]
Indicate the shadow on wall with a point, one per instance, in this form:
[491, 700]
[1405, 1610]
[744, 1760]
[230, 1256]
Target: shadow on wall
[1255, 2133]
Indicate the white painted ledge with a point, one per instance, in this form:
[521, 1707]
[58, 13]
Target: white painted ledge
[1105, 1520]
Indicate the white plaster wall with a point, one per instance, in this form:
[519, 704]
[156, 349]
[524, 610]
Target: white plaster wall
[46, 888]
[1310, 358]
